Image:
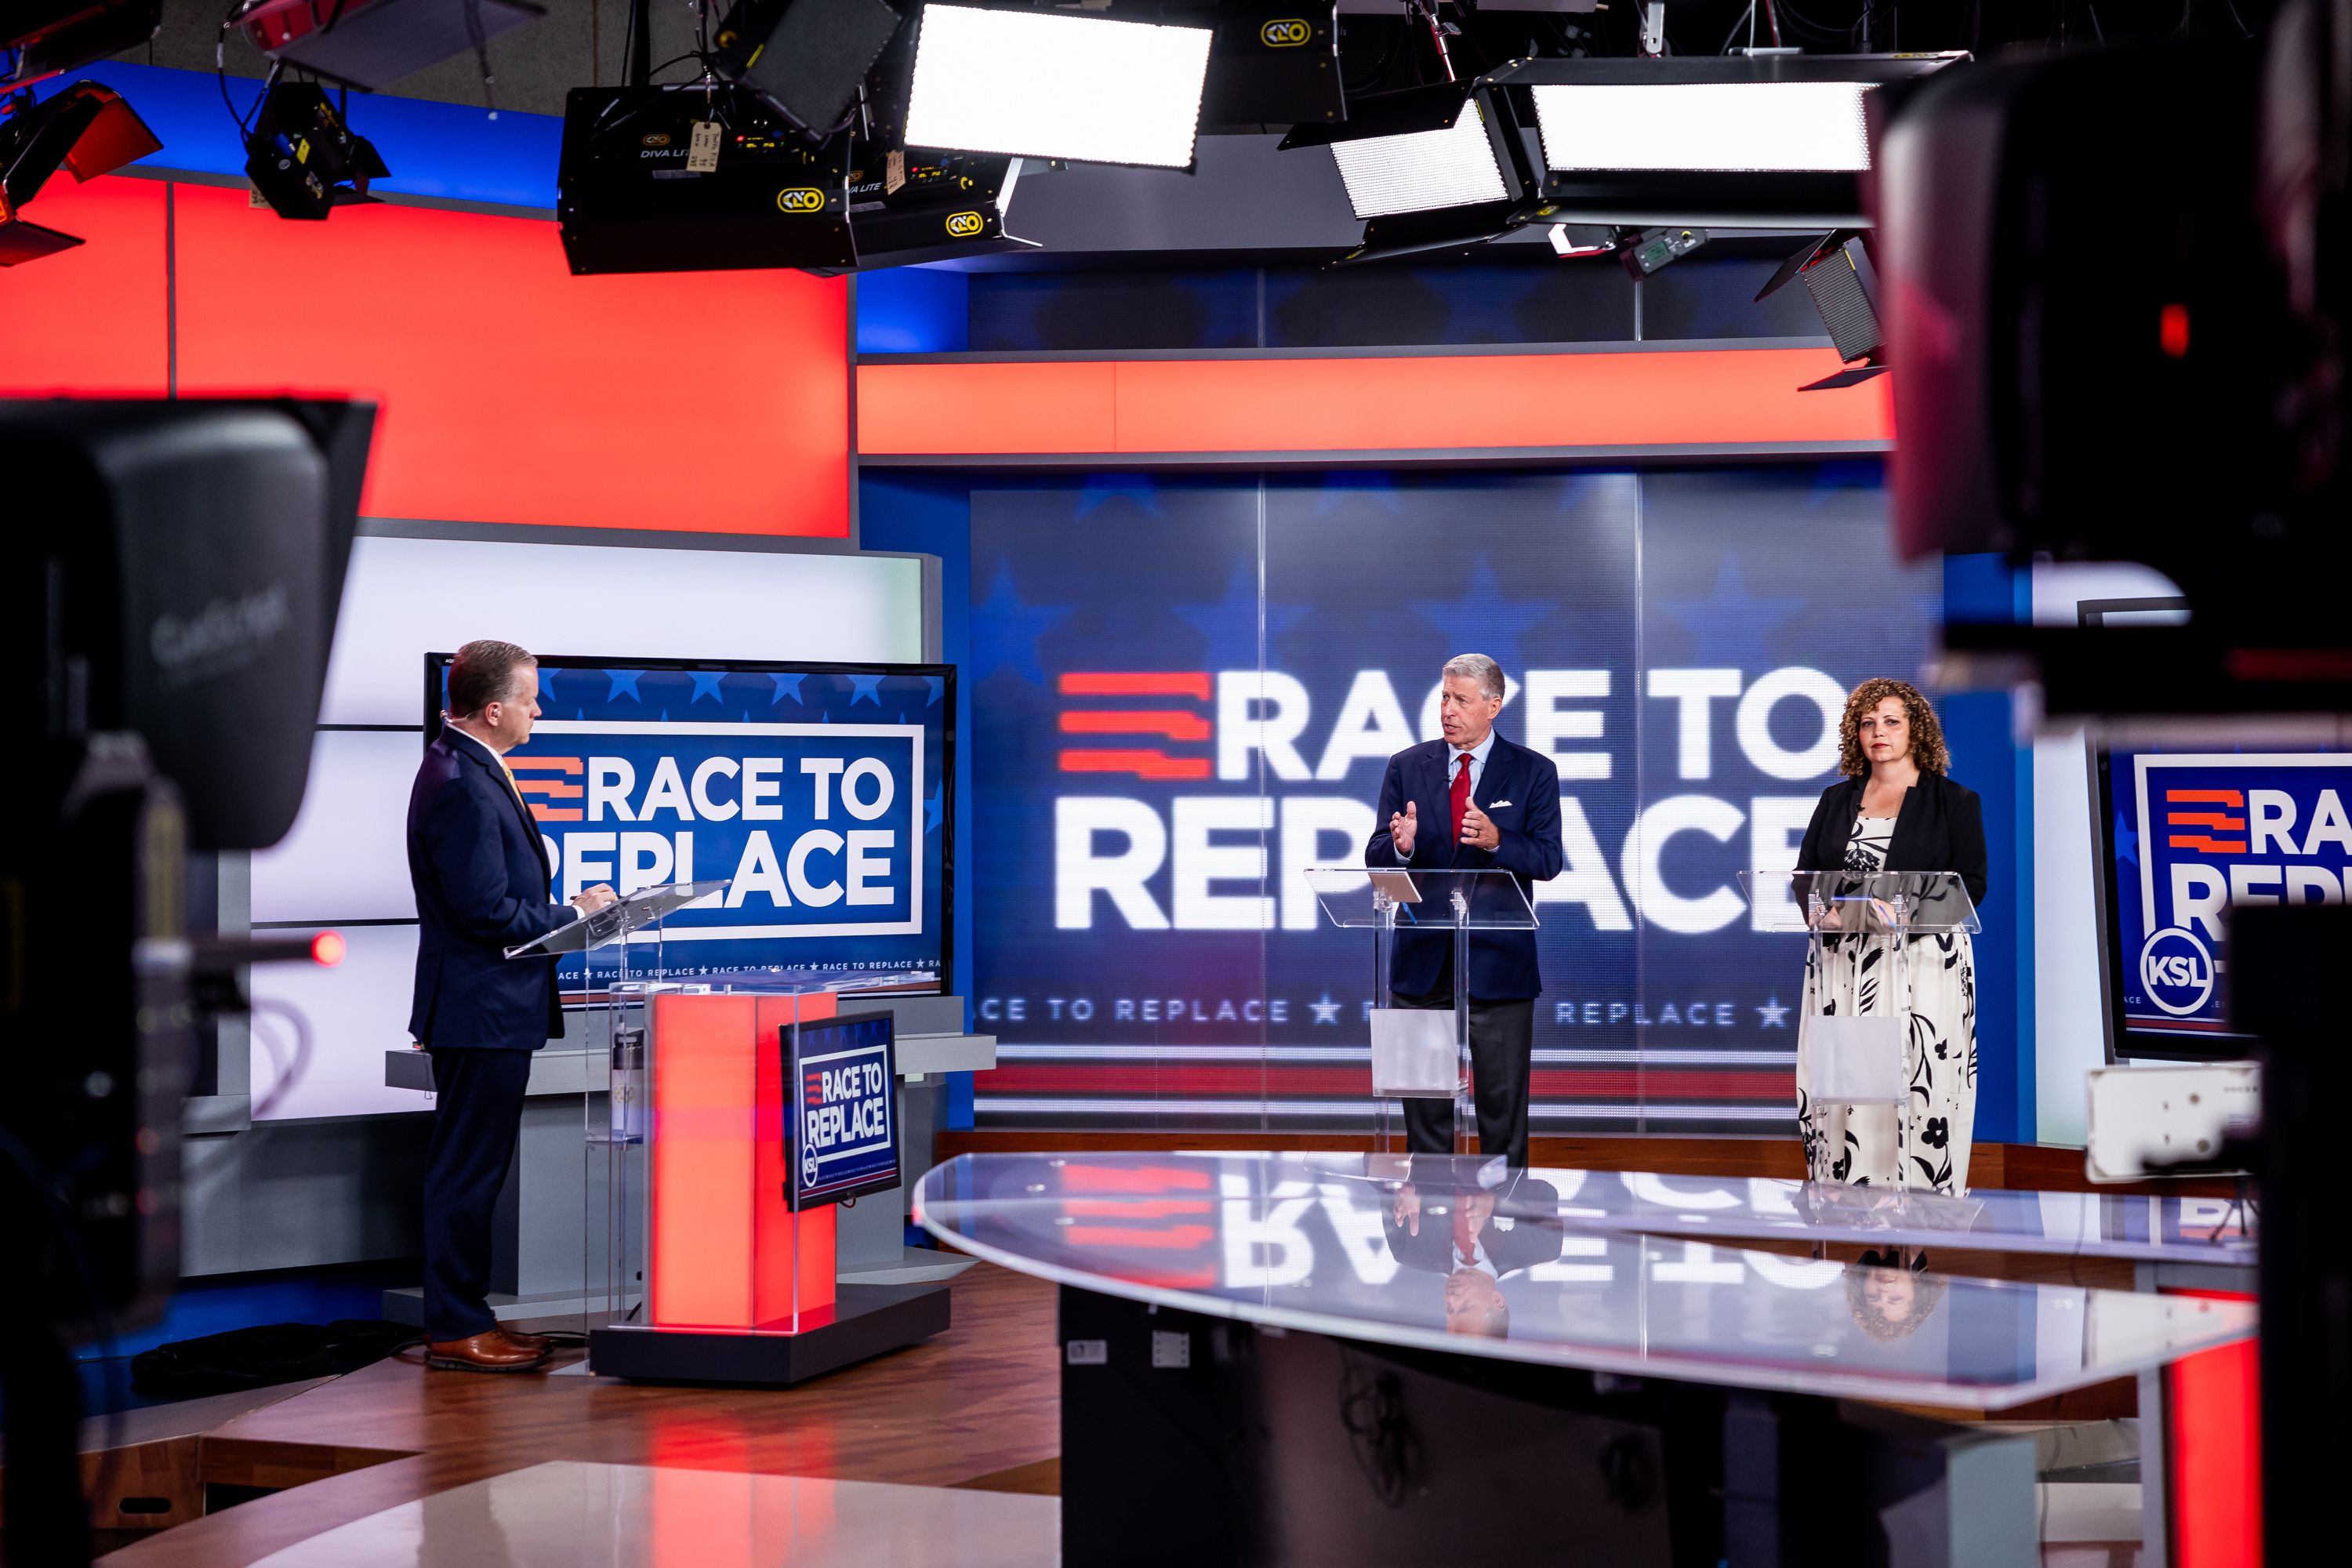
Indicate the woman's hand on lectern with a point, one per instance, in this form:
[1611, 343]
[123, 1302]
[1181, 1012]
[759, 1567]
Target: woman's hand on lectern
[588, 900]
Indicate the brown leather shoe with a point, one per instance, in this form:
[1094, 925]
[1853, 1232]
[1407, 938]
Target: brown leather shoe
[489, 1351]
[528, 1342]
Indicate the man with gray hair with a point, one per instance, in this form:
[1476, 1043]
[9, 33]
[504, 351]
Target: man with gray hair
[1473, 802]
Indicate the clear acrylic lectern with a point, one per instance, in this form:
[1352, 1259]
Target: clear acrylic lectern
[1421, 1053]
[1858, 1035]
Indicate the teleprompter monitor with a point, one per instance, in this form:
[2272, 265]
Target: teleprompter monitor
[821, 793]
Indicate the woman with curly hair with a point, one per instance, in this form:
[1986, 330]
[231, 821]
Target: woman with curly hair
[1896, 810]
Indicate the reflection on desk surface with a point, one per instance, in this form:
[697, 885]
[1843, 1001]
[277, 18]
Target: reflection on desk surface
[2218, 1231]
[1546, 1266]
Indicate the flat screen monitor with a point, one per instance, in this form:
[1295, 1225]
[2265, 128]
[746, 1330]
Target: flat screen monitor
[2185, 837]
[841, 1078]
[821, 793]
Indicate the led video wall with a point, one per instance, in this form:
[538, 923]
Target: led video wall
[1184, 693]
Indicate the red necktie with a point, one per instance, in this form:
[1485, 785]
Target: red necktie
[1461, 796]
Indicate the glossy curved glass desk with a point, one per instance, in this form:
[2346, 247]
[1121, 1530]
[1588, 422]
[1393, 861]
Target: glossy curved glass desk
[1613, 1272]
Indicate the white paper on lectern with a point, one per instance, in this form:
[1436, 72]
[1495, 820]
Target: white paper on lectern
[1414, 1053]
[1856, 1060]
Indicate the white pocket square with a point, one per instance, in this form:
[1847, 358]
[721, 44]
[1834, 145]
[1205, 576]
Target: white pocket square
[1498, 805]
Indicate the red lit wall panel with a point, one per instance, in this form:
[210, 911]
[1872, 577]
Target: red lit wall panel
[90, 320]
[513, 392]
[1436, 403]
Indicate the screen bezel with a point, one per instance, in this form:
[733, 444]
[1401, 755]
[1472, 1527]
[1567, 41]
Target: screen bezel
[436, 666]
[2124, 1042]
[788, 1040]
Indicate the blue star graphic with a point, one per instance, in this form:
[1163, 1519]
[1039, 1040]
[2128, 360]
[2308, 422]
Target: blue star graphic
[1231, 626]
[1481, 621]
[1773, 1014]
[1728, 628]
[1346, 489]
[865, 688]
[934, 809]
[1326, 1011]
[786, 686]
[625, 680]
[2127, 841]
[706, 684]
[1004, 631]
[939, 685]
[1100, 489]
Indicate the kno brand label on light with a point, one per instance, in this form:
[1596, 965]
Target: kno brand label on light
[2196, 835]
[845, 1122]
[1285, 33]
[801, 199]
[965, 224]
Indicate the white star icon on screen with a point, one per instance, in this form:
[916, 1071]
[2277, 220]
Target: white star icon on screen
[1326, 1011]
[1774, 1013]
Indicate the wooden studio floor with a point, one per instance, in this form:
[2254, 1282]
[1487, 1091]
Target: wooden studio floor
[979, 1405]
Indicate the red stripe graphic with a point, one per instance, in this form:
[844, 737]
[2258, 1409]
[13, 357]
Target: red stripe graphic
[2208, 796]
[1134, 683]
[1142, 764]
[524, 765]
[2210, 846]
[1133, 1208]
[1083, 1178]
[1175, 1238]
[1131, 721]
[2212, 819]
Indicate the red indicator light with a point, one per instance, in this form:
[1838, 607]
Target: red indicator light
[326, 949]
[2172, 331]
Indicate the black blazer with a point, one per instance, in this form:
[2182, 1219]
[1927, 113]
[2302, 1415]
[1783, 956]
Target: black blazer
[1940, 828]
[481, 878]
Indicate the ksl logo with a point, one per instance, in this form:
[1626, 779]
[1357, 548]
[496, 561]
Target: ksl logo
[2178, 971]
[655, 139]
[964, 226]
[801, 199]
[1285, 33]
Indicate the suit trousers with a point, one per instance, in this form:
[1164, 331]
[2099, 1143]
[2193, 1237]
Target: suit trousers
[1502, 1049]
[476, 1120]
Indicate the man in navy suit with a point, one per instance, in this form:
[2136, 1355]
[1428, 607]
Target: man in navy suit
[1473, 801]
[481, 875]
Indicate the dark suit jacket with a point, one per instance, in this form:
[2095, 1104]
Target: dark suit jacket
[1502, 963]
[1940, 828]
[1515, 1238]
[481, 875]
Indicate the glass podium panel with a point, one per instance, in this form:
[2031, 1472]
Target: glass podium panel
[1420, 1052]
[1406, 1252]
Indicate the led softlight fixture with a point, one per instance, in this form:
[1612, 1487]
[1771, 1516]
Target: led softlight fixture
[1423, 171]
[1731, 127]
[1028, 84]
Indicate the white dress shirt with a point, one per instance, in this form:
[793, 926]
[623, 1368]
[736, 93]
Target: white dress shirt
[1477, 755]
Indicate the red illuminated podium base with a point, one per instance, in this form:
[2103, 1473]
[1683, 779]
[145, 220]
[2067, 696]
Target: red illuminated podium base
[868, 1320]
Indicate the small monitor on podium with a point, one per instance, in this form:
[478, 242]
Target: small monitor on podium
[841, 1084]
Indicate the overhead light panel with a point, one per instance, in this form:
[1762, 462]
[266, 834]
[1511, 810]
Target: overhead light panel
[43, 39]
[645, 186]
[1038, 85]
[85, 129]
[805, 58]
[1729, 141]
[372, 44]
[1423, 170]
[1273, 63]
[1738, 126]
[910, 207]
[1429, 168]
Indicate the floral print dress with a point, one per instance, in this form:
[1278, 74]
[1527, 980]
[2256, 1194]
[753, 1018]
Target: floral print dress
[1865, 1144]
